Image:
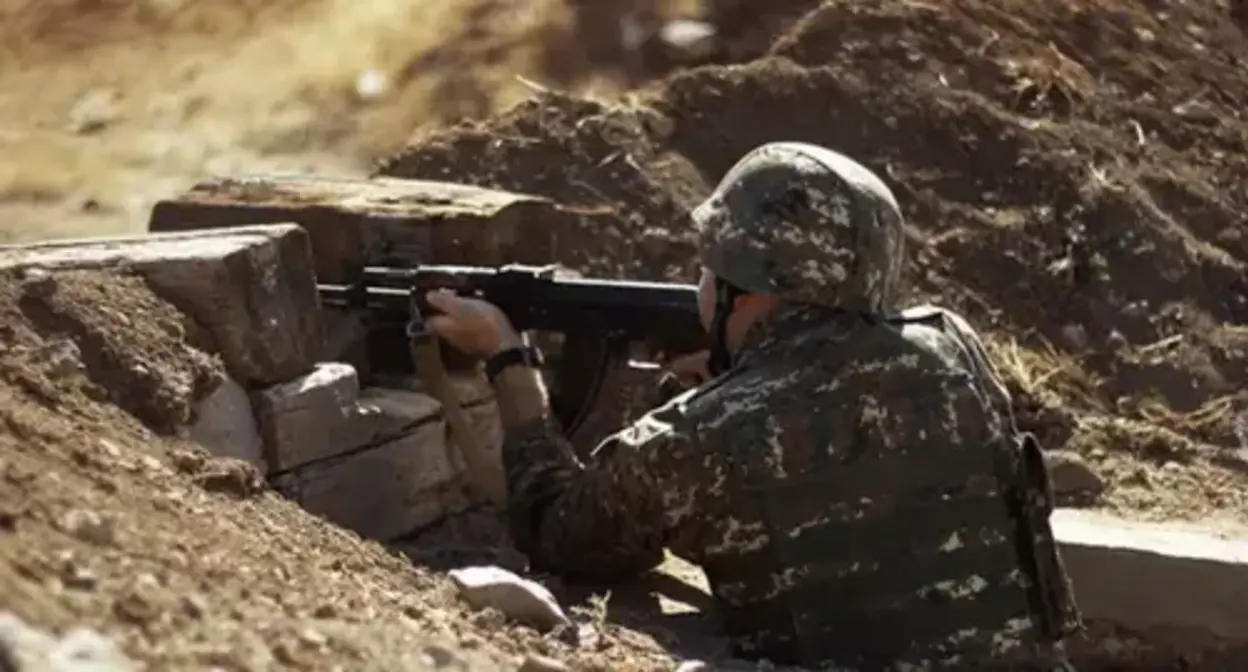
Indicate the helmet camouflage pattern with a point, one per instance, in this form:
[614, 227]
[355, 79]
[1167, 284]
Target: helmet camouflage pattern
[807, 224]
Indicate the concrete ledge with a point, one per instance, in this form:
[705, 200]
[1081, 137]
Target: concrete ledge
[1148, 575]
[353, 222]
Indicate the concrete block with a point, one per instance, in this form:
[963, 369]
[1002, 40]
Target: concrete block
[401, 473]
[470, 389]
[251, 289]
[382, 415]
[1148, 575]
[476, 397]
[305, 419]
[354, 222]
[225, 425]
[383, 492]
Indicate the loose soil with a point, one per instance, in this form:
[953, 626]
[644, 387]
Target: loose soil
[1071, 174]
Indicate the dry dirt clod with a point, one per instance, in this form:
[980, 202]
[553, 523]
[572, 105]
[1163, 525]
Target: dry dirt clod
[231, 477]
[78, 577]
[139, 604]
[89, 526]
[8, 518]
[193, 606]
[516, 598]
[542, 664]
[38, 284]
[94, 112]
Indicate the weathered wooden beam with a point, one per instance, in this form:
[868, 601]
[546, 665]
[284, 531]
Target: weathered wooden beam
[355, 222]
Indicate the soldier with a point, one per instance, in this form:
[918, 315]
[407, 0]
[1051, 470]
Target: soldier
[853, 484]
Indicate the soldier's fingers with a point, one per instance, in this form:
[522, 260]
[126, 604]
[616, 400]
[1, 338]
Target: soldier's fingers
[445, 300]
[442, 325]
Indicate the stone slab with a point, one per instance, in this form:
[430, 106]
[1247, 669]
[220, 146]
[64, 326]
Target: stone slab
[252, 289]
[305, 419]
[1146, 575]
[378, 221]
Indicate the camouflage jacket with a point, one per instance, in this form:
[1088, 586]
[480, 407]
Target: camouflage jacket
[854, 490]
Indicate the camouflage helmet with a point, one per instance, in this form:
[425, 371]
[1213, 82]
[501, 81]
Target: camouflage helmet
[807, 224]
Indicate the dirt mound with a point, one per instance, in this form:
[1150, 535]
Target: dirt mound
[1069, 172]
[52, 324]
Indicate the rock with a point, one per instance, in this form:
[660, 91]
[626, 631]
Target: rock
[228, 476]
[302, 420]
[542, 664]
[94, 112]
[379, 221]
[193, 606]
[24, 648]
[21, 646]
[89, 526]
[1071, 473]
[38, 284]
[61, 358]
[226, 426]
[83, 650]
[516, 598]
[694, 666]
[252, 289]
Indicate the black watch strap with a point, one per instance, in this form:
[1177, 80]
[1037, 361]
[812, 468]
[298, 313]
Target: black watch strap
[526, 355]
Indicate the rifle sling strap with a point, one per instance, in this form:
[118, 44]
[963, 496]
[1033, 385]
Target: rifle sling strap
[484, 474]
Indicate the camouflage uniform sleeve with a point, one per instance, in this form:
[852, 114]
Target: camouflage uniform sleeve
[608, 521]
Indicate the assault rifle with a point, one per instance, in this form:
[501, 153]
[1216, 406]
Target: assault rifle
[597, 326]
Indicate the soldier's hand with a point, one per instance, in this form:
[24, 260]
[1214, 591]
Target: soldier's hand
[474, 326]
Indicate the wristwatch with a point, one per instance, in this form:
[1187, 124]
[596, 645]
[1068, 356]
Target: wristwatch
[521, 354]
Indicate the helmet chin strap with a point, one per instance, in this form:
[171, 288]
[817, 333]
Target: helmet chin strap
[725, 295]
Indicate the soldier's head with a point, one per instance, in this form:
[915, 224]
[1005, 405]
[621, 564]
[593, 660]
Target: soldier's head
[801, 224]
